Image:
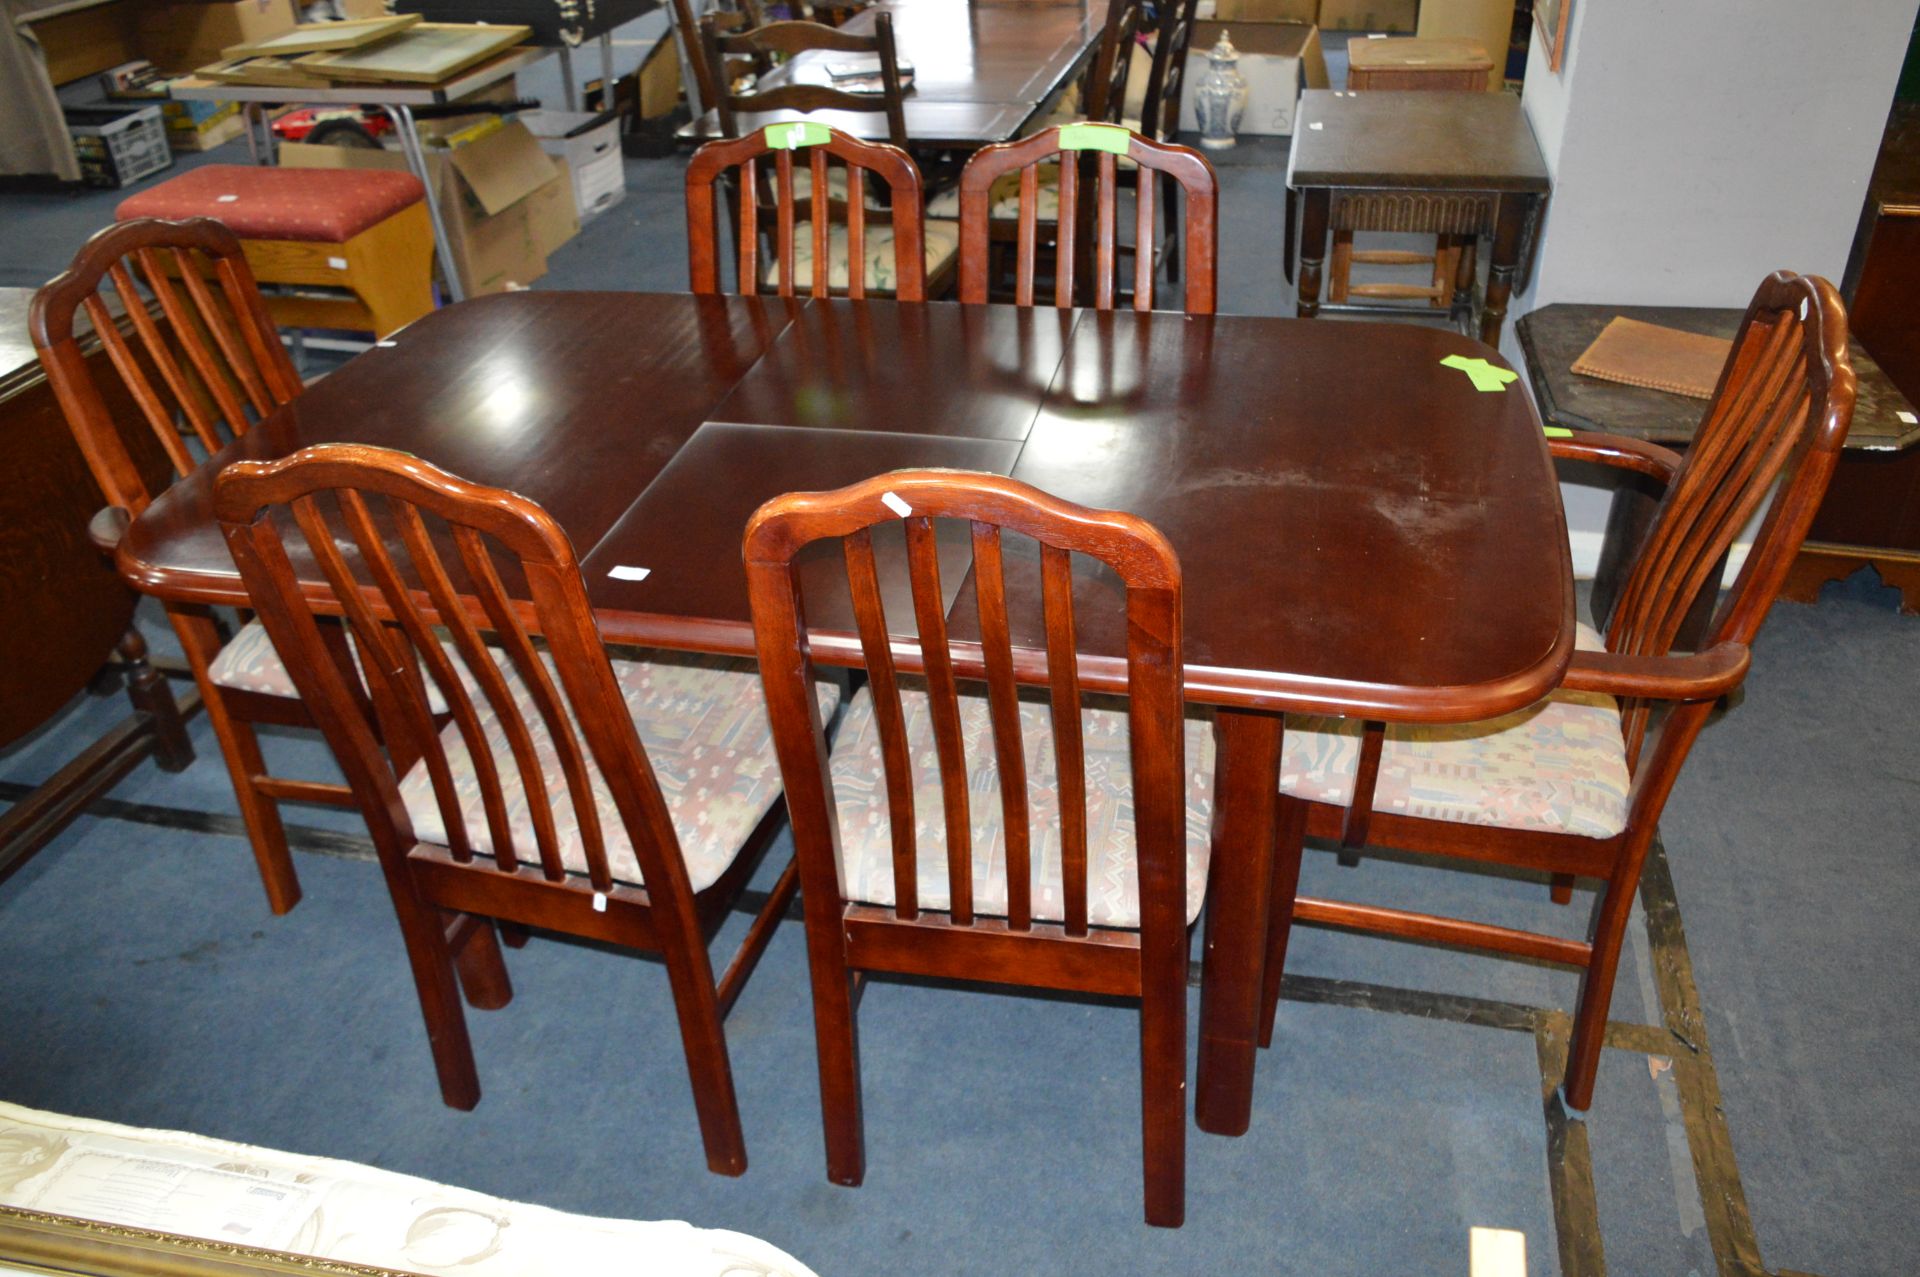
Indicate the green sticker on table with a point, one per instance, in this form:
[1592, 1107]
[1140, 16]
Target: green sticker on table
[789, 137]
[1556, 432]
[1483, 375]
[1095, 137]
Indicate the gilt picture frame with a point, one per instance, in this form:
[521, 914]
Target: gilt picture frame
[1551, 17]
[62, 1244]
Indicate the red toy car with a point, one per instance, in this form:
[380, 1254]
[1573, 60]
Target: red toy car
[335, 126]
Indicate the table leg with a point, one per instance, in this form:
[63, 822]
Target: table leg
[1245, 794]
[402, 117]
[1313, 248]
[607, 102]
[1508, 232]
[566, 79]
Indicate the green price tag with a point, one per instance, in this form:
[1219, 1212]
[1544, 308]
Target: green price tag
[789, 137]
[1556, 432]
[1095, 137]
[1483, 375]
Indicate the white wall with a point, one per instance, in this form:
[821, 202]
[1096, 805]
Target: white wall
[1695, 146]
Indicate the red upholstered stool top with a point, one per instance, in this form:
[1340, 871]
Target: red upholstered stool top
[327, 205]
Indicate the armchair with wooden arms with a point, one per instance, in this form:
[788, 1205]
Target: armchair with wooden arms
[1574, 786]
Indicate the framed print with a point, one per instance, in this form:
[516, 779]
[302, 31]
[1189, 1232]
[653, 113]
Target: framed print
[1551, 17]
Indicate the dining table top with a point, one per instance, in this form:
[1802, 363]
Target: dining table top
[981, 71]
[1361, 531]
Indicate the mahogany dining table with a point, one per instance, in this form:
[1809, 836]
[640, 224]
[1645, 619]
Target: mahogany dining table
[1361, 531]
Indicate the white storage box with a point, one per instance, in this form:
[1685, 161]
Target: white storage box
[1277, 59]
[592, 153]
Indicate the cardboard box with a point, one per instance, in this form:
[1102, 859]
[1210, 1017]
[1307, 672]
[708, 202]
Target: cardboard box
[1395, 16]
[1265, 11]
[204, 135]
[1487, 22]
[591, 151]
[506, 204]
[1277, 59]
[182, 35]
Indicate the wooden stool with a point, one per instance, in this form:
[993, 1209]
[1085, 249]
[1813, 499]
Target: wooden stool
[365, 232]
[1448, 65]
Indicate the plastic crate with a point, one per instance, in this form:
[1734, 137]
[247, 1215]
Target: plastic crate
[118, 145]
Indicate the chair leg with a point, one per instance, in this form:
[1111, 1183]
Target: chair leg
[1562, 889]
[1163, 1091]
[240, 748]
[837, 1036]
[1289, 845]
[477, 958]
[439, 992]
[1609, 926]
[704, 1039]
[514, 935]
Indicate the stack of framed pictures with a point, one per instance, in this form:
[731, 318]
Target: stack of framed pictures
[396, 49]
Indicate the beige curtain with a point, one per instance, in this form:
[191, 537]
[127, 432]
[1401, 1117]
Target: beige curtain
[33, 137]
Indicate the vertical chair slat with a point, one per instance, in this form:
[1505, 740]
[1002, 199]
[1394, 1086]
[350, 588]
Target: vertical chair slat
[783, 233]
[171, 372]
[856, 232]
[538, 681]
[239, 359]
[269, 356]
[1106, 195]
[883, 687]
[1143, 192]
[749, 209]
[820, 222]
[1003, 701]
[943, 704]
[1066, 230]
[142, 390]
[426, 648]
[1063, 676]
[1024, 244]
[187, 332]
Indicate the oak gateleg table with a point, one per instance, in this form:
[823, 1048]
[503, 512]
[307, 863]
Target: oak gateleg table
[1361, 532]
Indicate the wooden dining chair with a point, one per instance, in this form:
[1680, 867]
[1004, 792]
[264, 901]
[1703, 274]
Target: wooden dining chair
[623, 801]
[1159, 117]
[1097, 253]
[1086, 872]
[939, 238]
[1575, 784]
[839, 248]
[204, 363]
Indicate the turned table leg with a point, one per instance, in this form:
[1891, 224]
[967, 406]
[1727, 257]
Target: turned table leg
[1313, 249]
[1508, 232]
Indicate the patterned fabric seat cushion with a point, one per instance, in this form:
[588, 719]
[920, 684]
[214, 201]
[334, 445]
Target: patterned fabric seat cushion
[250, 664]
[704, 725]
[1559, 766]
[866, 845]
[942, 241]
[327, 206]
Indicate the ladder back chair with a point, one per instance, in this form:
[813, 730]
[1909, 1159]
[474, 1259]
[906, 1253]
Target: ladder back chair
[1160, 108]
[836, 235]
[607, 799]
[204, 364]
[1098, 252]
[1575, 784]
[938, 237]
[1101, 906]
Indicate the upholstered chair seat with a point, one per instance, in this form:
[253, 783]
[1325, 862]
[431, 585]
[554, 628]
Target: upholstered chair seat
[941, 242]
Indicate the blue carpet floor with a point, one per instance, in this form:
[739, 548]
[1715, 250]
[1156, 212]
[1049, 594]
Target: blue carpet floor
[147, 983]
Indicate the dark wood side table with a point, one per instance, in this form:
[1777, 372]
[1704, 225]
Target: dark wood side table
[1880, 443]
[67, 613]
[1425, 163]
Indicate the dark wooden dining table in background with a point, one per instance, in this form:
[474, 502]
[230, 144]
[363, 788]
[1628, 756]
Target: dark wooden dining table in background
[981, 70]
[1361, 532]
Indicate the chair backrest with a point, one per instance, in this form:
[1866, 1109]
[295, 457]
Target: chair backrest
[1771, 436]
[1104, 97]
[203, 354]
[1150, 574]
[793, 38]
[819, 211]
[1106, 143]
[1167, 77]
[377, 526]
